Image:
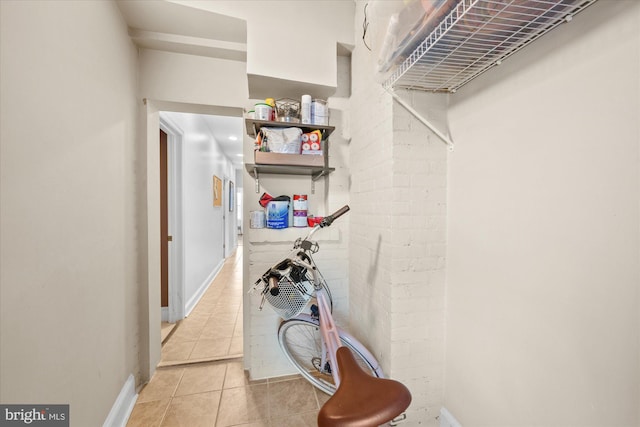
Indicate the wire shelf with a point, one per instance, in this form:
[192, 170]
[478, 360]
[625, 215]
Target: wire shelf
[474, 37]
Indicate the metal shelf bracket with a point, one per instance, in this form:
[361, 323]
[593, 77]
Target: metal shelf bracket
[422, 120]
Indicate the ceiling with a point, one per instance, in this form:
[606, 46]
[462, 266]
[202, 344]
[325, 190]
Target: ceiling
[171, 27]
[229, 133]
[223, 129]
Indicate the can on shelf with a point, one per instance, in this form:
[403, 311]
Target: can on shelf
[278, 214]
[300, 207]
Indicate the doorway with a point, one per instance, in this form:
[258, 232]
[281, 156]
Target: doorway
[212, 326]
[150, 338]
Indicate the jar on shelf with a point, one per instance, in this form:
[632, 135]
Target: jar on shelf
[263, 111]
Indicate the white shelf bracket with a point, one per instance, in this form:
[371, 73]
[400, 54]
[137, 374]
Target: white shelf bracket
[422, 120]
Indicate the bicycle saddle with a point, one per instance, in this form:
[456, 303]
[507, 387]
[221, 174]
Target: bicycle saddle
[362, 400]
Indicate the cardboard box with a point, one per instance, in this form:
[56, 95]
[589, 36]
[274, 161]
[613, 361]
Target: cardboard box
[263, 158]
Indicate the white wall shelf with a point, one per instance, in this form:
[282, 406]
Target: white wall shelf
[290, 234]
[473, 37]
[316, 172]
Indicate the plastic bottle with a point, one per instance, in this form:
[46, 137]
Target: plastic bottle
[305, 109]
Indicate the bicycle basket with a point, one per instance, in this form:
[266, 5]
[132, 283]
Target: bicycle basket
[292, 298]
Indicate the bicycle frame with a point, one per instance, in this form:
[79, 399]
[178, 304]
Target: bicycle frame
[328, 328]
[329, 331]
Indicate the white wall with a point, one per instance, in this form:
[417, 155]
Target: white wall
[543, 259]
[287, 40]
[398, 241]
[68, 231]
[191, 79]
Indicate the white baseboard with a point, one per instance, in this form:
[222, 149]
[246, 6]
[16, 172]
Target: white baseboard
[191, 304]
[447, 420]
[123, 406]
[164, 314]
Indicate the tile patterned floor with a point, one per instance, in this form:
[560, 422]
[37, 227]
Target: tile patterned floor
[165, 330]
[217, 394]
[200, 380]
[213, 330]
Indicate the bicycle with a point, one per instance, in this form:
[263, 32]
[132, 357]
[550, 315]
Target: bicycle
[327, 356]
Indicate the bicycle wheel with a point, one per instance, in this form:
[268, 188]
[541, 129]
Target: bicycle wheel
[301, 342]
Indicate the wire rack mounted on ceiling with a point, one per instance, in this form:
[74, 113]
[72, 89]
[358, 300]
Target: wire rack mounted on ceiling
[468, 37]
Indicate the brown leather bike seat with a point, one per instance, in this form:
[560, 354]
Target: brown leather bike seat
[362, 400]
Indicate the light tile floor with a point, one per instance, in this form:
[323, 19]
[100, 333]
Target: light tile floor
[213, 330]
[165, 330]
[217, 394]
[200, 380]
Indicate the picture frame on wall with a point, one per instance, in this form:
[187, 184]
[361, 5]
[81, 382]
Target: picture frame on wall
[232, 198]
[217, 191]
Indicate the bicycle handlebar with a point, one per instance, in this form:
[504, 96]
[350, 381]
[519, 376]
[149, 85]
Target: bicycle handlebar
[305, 243]
[337, 214]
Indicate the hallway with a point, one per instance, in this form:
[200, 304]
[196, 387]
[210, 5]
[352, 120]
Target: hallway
[201, 381]
[213, 330]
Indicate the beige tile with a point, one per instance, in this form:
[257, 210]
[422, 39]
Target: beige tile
[243, 405]
[216, 330]
[261, 423]
[196, 317]
[165, 330]
[236, 346]
[288, 398]
[202, 378]
[162, 385]
[177, 350]
[321, 396]
[237, 377]
[201, 336]
[211, 295]
[188, 332]
[226, 308]
[148, 414]
[305, 419]
[221, 318]
[210, 348]
[204, 307]
[194, 410]
[238, 331]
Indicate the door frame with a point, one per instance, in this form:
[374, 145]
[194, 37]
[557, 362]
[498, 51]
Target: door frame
[176, 309]
[150, 313]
